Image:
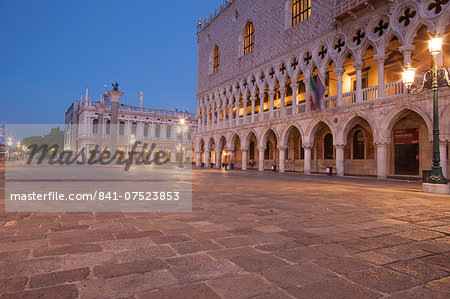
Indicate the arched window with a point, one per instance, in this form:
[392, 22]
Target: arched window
[267, 151]
[121, 128]
[249, 38]
[301, 10]
[108, 127]
[95, 126]
[216, 59]
[133, 128]
[157, 130]
[358, 145]
[145, 130]
[328, 147]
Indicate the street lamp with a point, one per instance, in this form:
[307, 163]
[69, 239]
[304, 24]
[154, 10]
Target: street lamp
[132, 139]
[432, 79]
[181, 129]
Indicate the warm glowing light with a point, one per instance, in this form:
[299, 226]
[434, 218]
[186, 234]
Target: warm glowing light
[408, 76]
[182, 121]
[435, 45]
[133, 139]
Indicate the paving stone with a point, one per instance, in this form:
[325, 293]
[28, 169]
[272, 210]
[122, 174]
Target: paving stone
[300, 254]
[293, 275]
[60, 277]
[188, 260]
[138, 234]
[375, 257]
[343, 265]
[199, 291]
[279, 246]
[209, 235]
[14, 284]
[63, 250]
[403, 252]
[11, 256]
[335, 288]
[203, 271]
[241, 286]
[195, 246]
[229, 253]
[62, 291]
[419, 293]
[421, 271]
[126, 285]
[440, 285]
[239, 241]
[383, 280]
[171, 239]
[257, 262]
[439, 260]
[141, 266]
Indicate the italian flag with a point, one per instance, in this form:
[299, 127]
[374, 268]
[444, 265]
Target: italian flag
[317, 92]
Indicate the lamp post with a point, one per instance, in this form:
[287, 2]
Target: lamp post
[432, 79]
[181, 129]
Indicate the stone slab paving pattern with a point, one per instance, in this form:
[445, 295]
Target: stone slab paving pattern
[250, 235]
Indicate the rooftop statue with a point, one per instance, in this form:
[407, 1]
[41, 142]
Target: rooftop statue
[115, 86]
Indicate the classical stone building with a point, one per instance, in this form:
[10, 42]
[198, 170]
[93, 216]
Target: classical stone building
[86, 118]
[258, 59]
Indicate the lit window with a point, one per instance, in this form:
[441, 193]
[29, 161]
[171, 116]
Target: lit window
[301, 10]
[216, 61]
[249, 38]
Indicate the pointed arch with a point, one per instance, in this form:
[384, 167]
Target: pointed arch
[314, 125]
[388, 122]
[284, 136]
[265, 135]
[349, 122]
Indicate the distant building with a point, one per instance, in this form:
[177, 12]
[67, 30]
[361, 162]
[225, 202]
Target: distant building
[134, 124]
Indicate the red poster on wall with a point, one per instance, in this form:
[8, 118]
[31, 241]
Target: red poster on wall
[406, 136]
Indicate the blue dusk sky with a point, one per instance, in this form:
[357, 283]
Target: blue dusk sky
[50, 51]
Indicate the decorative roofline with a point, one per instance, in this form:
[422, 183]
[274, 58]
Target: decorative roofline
[202, 24]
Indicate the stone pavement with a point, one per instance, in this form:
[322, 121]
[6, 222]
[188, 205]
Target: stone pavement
[251, 234]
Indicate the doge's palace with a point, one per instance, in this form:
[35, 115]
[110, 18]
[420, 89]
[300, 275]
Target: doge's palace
[262, 63]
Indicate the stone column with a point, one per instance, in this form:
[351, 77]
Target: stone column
[282, 96]
[271, 99]
[407, 51]
[244, 117]
[294, 87]
[443, 151]
[261, 105]
[261, 158]
[380, 59]
[358, 67]
[253, 99]
[213, 118]
[100, 112]
[307, 148]
[218, 158]
[339, 72]
[230, 124]
[244, 158]
[282, 151]
[230, 158]
[340, 159]
[381, 159]
[198, 158]
[207, 157]
[114, 97]
[208, 119]
[307, 93]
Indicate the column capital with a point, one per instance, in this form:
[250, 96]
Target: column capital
[339, 71]
[282, 89]
[253, 98]
[261, 148]
[244, 149]
[307, 145]
[358, 65]
[339, 145]
[294, 85]
[271, 92]
[407, 48]
[282, 147]
[380, 58]
[382, 142]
